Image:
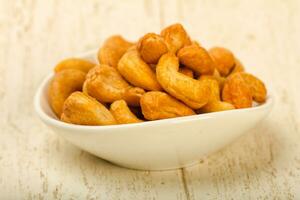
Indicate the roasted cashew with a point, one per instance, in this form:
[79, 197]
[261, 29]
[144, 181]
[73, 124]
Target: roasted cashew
[194, 93]
[112, 50]
[137, 72]
[196, 58]
[215, 104]
[106, 85]
[159, 105]
[63, 84]
[223, 58]
[122, 113]
[175, 37]
[151, 47]
[186, 71]
[82, 109]
[257, 87]
[237, 92]
[74, 63]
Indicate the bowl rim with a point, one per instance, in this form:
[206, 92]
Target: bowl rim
[57, 123]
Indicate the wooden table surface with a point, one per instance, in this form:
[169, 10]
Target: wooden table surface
[36, 164]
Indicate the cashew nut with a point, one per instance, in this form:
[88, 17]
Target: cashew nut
[237, 92]
[159, 105]
[137, 72]
[175, 37]
[74, 63]
[223, 58]
[122, 113]
[151, 47]
[63, 84]
[106, 85]
[82, 109]
[194, 93]
[196, 58]
[215, 104]
[257, 87]
[112, 50]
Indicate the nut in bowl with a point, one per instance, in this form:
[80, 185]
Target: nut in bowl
[165, 119]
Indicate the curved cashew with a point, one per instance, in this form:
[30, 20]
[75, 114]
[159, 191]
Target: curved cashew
[80, 108]
[257, 87]
[112, 50]
[192, 92]
[215, 104]
[237, 92]
[223, 58]
[159, 105]
[106, 85]
[196, 58]
[122, 113]
[151, 47]
[186, 71]
[63, 84]
[74, 63]
[175, 37]
[137, 72]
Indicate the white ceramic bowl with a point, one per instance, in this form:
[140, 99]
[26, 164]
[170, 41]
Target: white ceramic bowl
[155, 145]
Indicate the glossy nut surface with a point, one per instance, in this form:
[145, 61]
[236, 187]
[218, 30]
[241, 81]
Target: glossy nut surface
[223, 58]
[196, 58]
[137, 72]
[159, 105]
[151, 47]
[237, 92]
[175, 37]
[82, 109]
[122, 113]
[112, 50]
[194, 93]
[63, 84]
[106, 85]
[74, 63]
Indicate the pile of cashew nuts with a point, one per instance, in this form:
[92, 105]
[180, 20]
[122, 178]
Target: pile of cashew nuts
[161, 76]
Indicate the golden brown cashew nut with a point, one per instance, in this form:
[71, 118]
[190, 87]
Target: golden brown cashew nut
[159, 105]
[151, 47]
[82, 109]
[112, 50]
[257, 87]
[192, 92]
[122, 113]
[176, 37]
[196, 58]
[215, 104]
[74, 63]
[106, 85]
[137, 72]
[223, 58]
[63, 84]
[237, 92]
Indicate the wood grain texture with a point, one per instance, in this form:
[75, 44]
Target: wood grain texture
[36, 164]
